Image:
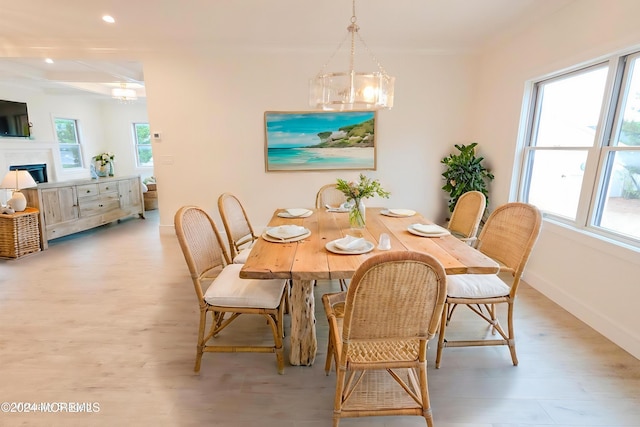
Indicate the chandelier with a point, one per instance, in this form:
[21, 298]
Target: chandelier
[124, 94]
[351, 89]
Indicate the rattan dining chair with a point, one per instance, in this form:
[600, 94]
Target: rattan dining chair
[236, 224]
[466, 216]
[329, 195]
[378, 334]
[227, 295]
[508, 238]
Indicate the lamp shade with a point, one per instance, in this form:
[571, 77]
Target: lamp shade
[18, 180]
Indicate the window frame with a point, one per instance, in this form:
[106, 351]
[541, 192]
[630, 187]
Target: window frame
[79, 144]
[136, 145]
[597, 170]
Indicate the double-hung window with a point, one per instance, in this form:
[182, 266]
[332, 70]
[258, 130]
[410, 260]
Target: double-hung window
[142, 137]
[582, 154]
[68, 143]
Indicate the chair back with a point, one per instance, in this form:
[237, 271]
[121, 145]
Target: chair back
[201, 245]
[508, 236]
[394, 298]
[329, 195]
[467, 214]
[236, 223]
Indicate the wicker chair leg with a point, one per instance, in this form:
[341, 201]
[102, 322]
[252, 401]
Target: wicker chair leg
[443, 326]
[200, 347]
[330, 350]
[512, 337]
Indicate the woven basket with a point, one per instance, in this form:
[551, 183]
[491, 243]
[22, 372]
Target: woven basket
[19, 235]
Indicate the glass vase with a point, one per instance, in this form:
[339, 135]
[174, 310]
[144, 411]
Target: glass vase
[111, 168]
[357, 215]
[102, 170]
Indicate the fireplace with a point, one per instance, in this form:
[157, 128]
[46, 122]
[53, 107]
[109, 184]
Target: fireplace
[37, 171]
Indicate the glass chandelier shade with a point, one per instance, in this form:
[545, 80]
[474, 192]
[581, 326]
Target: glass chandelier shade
[124, 94]
[351, 89]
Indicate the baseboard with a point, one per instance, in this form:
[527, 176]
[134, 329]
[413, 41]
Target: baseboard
[621, 335]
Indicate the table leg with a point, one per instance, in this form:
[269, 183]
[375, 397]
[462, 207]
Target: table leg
[303, 324]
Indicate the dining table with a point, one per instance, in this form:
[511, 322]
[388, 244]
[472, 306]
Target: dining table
[306, 260]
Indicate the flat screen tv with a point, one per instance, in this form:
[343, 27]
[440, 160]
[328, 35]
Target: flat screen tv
[14, 120]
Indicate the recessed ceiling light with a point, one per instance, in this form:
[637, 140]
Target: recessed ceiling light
[109, 19]
[49, 61]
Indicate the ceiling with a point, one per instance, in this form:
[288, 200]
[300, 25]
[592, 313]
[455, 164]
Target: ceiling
[32, 30]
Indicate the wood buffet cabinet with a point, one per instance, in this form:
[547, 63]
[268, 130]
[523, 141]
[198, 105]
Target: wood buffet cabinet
[72, 206]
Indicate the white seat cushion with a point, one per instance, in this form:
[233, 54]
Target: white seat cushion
[241, 258]
[229, 290]
[476, 286]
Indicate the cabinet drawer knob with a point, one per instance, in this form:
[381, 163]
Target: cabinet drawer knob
[88, 191]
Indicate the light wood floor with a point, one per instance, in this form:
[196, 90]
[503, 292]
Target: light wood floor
[109, 316]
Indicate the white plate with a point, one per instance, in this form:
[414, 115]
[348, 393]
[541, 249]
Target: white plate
[438, 232]
[287, 214]
[268, 238]
[368, 247]
[349, 243]
[287, 231]
[398, 212]
[339, 210]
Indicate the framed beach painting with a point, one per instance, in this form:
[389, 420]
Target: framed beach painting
[320, 140]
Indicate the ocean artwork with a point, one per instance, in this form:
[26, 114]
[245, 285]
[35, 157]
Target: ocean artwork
[320, 140]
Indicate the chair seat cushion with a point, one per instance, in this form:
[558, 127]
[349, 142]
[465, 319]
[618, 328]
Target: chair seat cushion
[229, 290]
[241, 258]
[476, 286]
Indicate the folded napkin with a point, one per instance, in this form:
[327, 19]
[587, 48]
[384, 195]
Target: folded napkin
[428, 228]
[286, 231]
[350, 243]
[402, 212]
[297, 211]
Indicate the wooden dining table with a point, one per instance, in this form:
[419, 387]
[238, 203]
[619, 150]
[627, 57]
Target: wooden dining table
[308, 260]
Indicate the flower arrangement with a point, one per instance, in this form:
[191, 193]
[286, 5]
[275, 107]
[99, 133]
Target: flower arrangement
[104, 158]
[364, 189]
[355, 192]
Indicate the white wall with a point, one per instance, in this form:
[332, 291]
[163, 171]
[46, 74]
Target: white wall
[209, 109]
[595, 280]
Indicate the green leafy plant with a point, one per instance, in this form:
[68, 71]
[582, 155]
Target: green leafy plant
[465, 172]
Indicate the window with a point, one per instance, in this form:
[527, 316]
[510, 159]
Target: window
[582, 154]
[69, 143]
[144, 157]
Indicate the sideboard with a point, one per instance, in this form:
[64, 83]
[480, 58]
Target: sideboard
[69, 207]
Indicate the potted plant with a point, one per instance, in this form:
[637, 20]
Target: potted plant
[465, 172]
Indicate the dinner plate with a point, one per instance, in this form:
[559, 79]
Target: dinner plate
[438, 231]
[295, 213]
[400, 213]
[268, 238]
[349, 243]
[367, 247]
[287, 231]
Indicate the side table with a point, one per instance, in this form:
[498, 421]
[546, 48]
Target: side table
[19, 233]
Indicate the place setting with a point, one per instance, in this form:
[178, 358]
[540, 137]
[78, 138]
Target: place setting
[428, 230]
[344, 207]
[398, 213]
[295, 213]
[350, 245]
[286, 233]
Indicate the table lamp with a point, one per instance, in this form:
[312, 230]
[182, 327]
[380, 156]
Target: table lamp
[17, 180]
